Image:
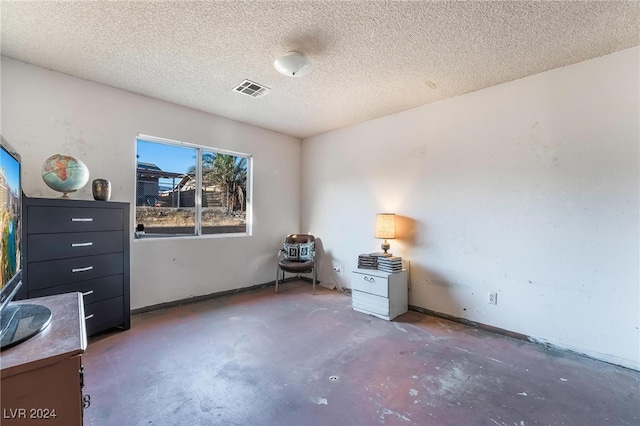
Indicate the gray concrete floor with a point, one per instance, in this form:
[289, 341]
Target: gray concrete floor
[261, 358]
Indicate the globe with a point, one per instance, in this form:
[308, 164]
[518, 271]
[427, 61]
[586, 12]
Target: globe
[64, 173]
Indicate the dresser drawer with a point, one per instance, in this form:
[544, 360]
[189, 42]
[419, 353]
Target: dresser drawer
[73, 244]
[370, 284]
[103, 315]
[92, 290]
[370, 303]
[65, 271]
[48, 220]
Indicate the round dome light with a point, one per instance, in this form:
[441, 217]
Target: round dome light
[293, 64]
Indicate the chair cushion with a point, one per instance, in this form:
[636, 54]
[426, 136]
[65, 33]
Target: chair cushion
[292, 266]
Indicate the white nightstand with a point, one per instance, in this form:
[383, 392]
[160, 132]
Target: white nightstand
[379, 293]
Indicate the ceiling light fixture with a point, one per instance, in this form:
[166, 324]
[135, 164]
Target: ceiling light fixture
[293, 64]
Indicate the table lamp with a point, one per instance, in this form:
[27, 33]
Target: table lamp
[385, 229]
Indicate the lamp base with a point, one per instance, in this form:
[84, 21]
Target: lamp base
[385, 246]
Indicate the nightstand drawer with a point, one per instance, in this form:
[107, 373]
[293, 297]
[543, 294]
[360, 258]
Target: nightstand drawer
[371, 284]
[47, 220]
[370, 303]
[92, 290]
[73, 244]
[379, 293]
[66, 271]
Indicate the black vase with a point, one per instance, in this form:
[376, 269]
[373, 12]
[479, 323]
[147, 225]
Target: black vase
[101, 189]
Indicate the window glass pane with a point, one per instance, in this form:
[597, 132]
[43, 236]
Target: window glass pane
[165, 188]
[224, 193]
[174, 197]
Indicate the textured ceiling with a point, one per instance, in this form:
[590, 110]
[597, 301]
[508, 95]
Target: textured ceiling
[370, 58]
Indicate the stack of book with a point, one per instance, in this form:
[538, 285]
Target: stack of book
[390, 264]
[366, 261]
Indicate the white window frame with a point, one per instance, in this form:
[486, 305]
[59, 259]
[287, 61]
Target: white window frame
[198, 194]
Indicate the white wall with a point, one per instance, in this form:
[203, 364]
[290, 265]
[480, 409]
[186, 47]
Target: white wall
[44, 113]
[529, 189]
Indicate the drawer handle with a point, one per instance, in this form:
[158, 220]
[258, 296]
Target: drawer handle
[81, 219]
[88, 317]
[87, 293]
[87, 244]
[369, 279]
[85, 269]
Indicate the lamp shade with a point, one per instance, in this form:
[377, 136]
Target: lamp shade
[293, 64]
[385, 225]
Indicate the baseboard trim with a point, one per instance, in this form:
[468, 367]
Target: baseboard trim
[470, 323]
[519, 336]
[196, 299]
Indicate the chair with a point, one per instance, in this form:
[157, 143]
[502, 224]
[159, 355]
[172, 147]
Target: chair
[297, 256]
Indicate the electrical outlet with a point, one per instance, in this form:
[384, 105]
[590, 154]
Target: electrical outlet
[337, 268]
[493, 298]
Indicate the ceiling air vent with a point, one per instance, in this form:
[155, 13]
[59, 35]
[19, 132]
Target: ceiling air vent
[252, 89]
